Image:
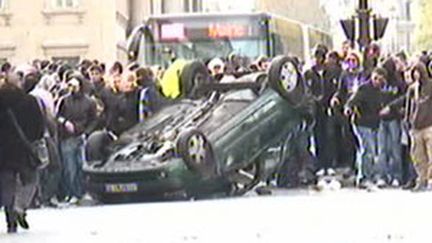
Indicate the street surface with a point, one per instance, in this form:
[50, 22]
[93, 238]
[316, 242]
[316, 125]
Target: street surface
[287, 216]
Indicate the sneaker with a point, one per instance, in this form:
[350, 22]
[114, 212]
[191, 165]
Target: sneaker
[409, 185]
[331, 172]
[321, 172]
[366, 184]
[73, 200]
[395, 183]
[335, 185]
[380, 183]
[54, 202]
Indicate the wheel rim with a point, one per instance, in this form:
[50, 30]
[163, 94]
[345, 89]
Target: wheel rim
[197, 148]
[240, 188]
[288, 77]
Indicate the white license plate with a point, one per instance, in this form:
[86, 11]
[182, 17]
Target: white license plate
[118, 188]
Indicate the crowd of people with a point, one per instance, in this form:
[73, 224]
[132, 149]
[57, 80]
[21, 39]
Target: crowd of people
[62, 105]
[370, 114]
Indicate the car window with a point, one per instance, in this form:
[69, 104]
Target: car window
[224, 112]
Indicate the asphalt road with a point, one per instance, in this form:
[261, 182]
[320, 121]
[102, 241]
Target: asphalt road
[345, 215]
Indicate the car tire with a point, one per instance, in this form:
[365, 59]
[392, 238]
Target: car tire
[197, 152]
[285, 78]
[96, 144]
[257, 171]
[192, 76]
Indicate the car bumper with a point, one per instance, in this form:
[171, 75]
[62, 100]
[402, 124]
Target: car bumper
[163, 182]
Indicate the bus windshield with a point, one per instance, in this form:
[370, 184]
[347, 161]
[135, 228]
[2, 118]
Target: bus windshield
[204, 38]
[208, 49]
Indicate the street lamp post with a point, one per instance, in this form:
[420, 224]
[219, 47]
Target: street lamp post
[364, 14]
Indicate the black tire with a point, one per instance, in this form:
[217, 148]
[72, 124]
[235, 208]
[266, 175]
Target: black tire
[192, 76]
[285, 78]
[201, 162]
[257, 170]
[96, 146]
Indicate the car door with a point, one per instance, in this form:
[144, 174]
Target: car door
[253, 130]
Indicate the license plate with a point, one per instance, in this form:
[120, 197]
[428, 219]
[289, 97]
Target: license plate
[118, 188]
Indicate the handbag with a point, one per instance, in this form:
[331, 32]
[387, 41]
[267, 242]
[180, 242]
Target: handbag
[38, 150]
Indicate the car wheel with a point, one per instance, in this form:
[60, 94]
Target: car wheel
[285, 79]
[196, 151]
[192, 76]
[246, 179]
[96, 145]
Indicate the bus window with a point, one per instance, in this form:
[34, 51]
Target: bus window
[207, 37]
[319, 37]
[277, 44]
[291, 35]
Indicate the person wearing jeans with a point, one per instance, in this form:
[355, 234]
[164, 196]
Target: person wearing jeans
[390, 152]
[367, 153]
[72, 153]
[364, 106]
[390, 131]
[417, 104]
[77, 117]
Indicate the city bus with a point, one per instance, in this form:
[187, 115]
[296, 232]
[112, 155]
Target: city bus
[205, 36]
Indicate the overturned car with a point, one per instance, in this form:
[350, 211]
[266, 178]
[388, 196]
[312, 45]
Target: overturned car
[194, 148]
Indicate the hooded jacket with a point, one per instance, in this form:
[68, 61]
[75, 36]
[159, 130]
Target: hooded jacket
[393, 89]
[81, 111]
[417, 102]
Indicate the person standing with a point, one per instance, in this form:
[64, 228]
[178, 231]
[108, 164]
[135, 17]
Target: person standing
[322, 79]
[19, 114]
[77, 116]
[418, 101]
[389, 134]
[129, 110]
[363, 107]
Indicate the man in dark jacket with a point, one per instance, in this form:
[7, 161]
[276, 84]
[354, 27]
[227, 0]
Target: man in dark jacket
[18, 177]
[322, 81]
[418, 101]
[77, 116]
[389, 135]
[364, 107]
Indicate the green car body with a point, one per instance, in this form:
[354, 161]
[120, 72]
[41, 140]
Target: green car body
[193, 148]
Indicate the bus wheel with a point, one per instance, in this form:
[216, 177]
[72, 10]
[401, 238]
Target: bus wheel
[192, 76]
[285, 79]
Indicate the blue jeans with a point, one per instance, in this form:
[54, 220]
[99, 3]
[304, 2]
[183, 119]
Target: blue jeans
[390, 150]
[367, 153]
[72, 155]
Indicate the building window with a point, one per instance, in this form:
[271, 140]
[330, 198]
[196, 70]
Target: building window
[408, 10]
[164, 7]
[65, 3]
[3, 60]
[186, 6]
[2, 3]
[196, 5]
[192, 5]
